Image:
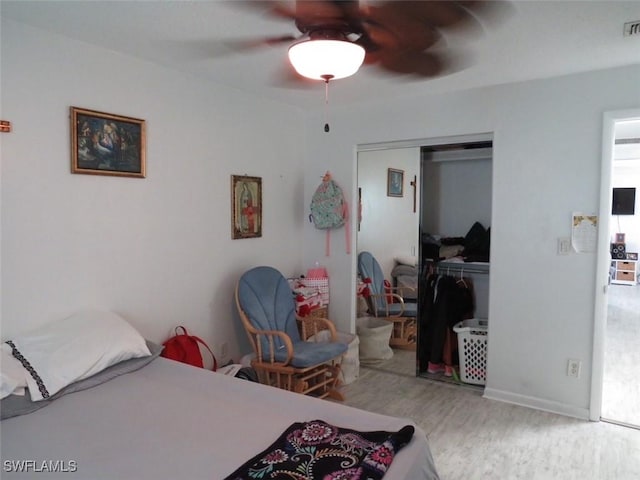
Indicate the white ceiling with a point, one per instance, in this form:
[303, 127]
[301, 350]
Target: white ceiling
[536, 39]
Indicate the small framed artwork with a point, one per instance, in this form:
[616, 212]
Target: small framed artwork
[632, 255]
[620, 237]
[395, 182]
[246, 206]
[107, 144]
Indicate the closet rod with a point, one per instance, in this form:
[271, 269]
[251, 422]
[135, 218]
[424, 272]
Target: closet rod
[460, 268]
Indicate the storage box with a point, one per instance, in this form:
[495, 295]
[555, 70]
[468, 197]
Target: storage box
[472, 349]
[626, 276]
[321, 285]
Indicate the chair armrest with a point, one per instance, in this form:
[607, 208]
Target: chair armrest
[401, 290]
[311, 326]
[384, 296]
[400, 300]
[271, 335]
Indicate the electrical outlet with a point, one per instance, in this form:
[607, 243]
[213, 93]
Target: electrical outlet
[573, 368]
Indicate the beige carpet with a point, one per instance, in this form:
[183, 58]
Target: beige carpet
[475, 438]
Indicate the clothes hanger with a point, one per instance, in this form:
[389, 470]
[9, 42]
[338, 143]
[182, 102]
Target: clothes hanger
[461, 280]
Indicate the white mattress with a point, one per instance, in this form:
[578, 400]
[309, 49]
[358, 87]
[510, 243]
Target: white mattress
[172, 421]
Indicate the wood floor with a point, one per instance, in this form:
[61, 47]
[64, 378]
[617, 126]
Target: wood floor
[621, 385]
[475, 438]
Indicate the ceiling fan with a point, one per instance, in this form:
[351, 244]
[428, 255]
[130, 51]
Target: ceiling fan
[396, 36]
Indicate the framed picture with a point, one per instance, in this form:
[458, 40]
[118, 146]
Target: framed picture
[246, 206]
[632, 256]
[395, 182]
[107, 144]
[620, 237]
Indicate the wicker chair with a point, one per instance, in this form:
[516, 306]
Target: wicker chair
[403, 315]
[307, 363]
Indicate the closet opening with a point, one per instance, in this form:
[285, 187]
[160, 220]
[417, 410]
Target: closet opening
[453, 286]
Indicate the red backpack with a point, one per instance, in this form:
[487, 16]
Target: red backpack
[185, 348]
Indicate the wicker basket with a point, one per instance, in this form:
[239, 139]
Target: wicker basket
[322, 312]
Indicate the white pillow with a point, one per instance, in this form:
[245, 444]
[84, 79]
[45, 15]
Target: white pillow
[411, 260]
[77, 347]
[13, 376]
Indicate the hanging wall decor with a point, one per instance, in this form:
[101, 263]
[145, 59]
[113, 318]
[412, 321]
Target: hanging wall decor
[246, 206]
[107, 144]
[395, 181]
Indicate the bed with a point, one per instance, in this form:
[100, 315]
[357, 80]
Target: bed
[170, 420]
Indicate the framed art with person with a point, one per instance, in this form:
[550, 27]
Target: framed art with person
[246, 206]
[107, 144]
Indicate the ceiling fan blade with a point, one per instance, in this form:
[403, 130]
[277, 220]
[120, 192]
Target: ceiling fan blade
[203, 49]
[416, 25]
[422, 64]
[398, 36]
[310, 10]
[273, 8]
[253, 43]
[308, 14]
[397, 32]
[436, 13]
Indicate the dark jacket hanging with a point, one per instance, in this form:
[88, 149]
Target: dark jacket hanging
[447, 300]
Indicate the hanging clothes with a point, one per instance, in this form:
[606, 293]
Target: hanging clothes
[447, 300]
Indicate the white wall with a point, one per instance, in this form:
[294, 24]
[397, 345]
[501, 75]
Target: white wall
[389, 225]
[546, 165]
[157, 250]
[457, 194]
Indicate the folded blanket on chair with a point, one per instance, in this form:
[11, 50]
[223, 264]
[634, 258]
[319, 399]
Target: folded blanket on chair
[317, 450]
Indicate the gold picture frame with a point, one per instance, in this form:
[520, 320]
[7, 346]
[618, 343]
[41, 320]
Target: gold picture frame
[107, 144]
[395, 182]
[246, 206]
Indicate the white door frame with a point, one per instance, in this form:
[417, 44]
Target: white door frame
[604, 256]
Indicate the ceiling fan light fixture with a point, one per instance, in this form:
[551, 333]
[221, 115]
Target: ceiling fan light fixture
[321, 59]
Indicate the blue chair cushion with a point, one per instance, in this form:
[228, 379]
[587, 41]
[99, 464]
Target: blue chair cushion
[267, 300]
[309, 354]
[368, 267]
[410, 310]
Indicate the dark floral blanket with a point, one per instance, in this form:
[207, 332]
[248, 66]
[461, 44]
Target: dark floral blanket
[319, 451]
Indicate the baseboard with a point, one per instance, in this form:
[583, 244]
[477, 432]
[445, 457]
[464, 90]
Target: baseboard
[537, 403]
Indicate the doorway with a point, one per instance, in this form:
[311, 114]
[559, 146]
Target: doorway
[615, 386]
[621, 389]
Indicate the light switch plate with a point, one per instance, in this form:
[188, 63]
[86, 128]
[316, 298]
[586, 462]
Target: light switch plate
[564, 246]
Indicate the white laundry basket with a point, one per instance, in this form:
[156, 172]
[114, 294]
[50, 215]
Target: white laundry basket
[472, 350]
